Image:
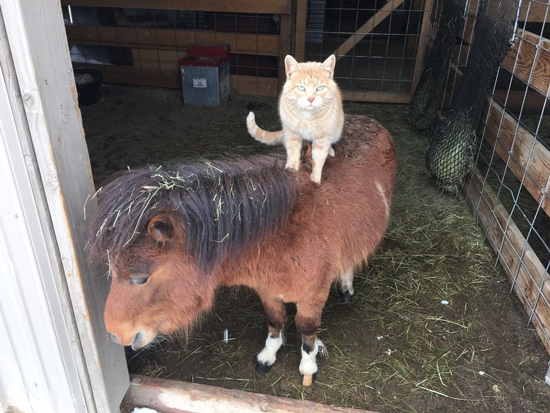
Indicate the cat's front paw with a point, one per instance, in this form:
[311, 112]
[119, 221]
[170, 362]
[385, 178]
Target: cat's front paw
[293, 165]
[315, 177]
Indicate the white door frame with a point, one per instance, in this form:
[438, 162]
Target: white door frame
[43, 229]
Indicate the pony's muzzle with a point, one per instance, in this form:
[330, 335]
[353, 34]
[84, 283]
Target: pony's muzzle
[138, 341]
[114, 338]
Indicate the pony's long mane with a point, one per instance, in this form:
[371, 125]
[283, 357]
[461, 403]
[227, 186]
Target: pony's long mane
[225, 205]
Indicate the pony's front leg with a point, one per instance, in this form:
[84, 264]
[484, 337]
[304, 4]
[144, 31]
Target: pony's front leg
[275, 313]
[308, 320]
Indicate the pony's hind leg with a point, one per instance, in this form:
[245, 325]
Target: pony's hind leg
[308, 321]
[345, 287]
[275, 312]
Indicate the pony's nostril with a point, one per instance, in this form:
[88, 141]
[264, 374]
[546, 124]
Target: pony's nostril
[138, 340]
[114, 338]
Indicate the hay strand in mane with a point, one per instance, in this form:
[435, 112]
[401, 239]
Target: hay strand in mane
[225, 205]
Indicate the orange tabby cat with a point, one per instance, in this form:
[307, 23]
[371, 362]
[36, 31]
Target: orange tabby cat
[311, 109]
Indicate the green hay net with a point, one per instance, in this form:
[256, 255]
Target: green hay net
[450, 156]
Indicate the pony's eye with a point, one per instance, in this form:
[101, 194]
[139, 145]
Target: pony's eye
[301, 88]
[320, 87]
[138, 280]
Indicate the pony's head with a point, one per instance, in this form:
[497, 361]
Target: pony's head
[169, 235]
[156, 287]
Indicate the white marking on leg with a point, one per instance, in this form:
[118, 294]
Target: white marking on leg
[384, 198]
[308, 364]
[347, 281]
[269, 353]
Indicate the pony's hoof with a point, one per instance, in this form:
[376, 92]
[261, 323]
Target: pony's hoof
[345, 296]
[307, 379]
[262, 368]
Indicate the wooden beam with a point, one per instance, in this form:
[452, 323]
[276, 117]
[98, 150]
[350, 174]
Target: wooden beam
[421, 51]
[528, 153]
[180, 397]
[522, 55]
[233, 6]
[368, 27]
[285, 42]
[522, 266]
[301, 24]
[164, 39]
[382, 97]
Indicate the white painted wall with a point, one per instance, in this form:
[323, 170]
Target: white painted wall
[54, 352]
[37, 373]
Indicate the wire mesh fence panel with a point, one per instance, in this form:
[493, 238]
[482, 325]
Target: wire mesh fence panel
[509, 187]
[490, 132]
[379, 44]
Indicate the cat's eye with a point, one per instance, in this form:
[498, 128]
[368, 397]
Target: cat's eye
[320, 87]
[138, 280]
[301, 88]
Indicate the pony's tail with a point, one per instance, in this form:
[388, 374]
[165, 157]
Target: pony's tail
[269, 138]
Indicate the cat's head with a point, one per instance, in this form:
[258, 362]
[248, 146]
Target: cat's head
[310, 85]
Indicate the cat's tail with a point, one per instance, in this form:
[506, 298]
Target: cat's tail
[269, 138]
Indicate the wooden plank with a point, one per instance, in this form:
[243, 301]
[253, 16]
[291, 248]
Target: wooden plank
[233, 6]
[368, 27]
[528, 153]
[301, 24]
[522, 266]
[43, 68]
[460, 55]
[181, 397]
[164, 39]
[468, 27]
[258, 86]
[531, 11]
[155, 77]
[382, 97]
[420, 61]
[516, 102]
[536, 73]
[285, 40]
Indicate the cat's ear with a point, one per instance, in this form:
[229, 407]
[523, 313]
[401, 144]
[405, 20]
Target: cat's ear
[291, 65]
[329, 64]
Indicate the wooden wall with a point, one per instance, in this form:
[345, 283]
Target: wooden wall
[524, 154]
[155, 52]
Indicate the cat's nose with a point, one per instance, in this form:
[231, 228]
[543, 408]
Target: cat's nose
[311, 98]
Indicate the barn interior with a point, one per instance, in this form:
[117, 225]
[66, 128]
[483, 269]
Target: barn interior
[451, 312]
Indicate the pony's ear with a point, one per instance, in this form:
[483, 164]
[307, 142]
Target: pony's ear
[161, 228]
[291, 65]
[329, 64]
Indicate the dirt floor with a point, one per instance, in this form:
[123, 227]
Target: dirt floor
[433, 326]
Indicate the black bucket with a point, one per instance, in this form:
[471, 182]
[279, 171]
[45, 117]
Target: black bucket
[88, 84]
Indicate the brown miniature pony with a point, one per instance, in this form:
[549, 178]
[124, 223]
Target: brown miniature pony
[173, 236]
